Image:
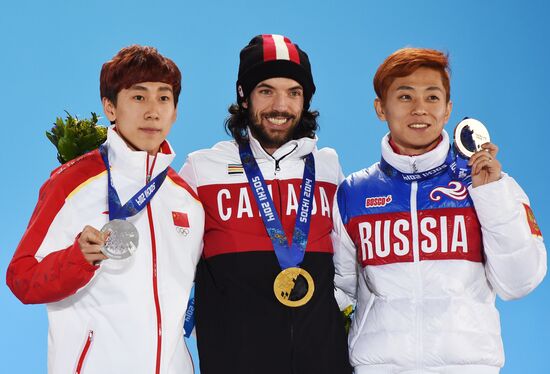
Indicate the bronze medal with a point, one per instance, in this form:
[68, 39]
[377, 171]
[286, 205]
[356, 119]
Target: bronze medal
[293, 287]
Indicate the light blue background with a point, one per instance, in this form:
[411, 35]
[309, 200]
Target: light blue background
[52, 51]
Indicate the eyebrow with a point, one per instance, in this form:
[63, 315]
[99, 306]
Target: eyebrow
[265, 85]
[165, 88]
[409, 88]
[138, 87]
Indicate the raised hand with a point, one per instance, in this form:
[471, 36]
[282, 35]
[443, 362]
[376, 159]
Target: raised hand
[485, 167]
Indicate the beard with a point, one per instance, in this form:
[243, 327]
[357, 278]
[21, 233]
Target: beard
[273, 139]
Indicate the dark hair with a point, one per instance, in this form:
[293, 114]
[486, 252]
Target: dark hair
[136, 64]
[239, 120]
[406, 61]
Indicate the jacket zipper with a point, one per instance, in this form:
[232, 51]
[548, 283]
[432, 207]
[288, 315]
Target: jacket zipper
[281, 215]
[416, 259]
[277, 191]
[279, 206]
[292, 371]
[149, 172]
[84, 352]
[278, 160]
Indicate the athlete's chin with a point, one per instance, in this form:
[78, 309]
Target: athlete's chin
[279, 140]
[272, 138]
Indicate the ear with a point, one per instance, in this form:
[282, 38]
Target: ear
[379, 108]
[245, 104]
[448, 111]
[109, 109]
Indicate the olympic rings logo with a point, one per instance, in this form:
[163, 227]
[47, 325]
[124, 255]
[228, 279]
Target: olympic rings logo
[182, 230]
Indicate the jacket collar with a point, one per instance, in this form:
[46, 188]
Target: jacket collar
[416, 164]
[295, 148]
[132, 163]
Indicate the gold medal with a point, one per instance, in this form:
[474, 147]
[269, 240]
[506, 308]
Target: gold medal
[293, 287]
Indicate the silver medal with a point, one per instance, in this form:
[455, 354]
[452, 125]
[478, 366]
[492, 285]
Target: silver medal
[470, 135]
[122, 241]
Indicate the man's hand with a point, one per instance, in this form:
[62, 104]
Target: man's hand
[90, 242]
[485, 167]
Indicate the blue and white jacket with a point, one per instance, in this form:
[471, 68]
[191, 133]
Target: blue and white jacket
[424, 255]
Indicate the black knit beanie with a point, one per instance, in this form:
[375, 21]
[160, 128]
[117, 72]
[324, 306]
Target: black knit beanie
[273, 56]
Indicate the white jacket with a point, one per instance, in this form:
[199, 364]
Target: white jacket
[107, 318]
[432, 255]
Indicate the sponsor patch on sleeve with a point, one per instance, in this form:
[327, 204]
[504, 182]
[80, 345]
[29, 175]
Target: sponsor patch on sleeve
[533, 225]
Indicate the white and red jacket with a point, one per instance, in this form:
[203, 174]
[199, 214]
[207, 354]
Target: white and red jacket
[432, 253]
[241, 326]
[107, 318]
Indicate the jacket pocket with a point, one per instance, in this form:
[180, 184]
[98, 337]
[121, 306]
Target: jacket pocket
[84, 352]
[361, 323]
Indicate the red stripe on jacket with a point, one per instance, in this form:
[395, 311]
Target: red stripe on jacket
[443, 234]
[180, 182]
[63, 272]
[233, 222]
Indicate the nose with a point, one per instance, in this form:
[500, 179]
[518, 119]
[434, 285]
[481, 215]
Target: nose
[280, 103]
[419, 108]
[152, 112]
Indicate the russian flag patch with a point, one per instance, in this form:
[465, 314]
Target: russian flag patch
[533, 225]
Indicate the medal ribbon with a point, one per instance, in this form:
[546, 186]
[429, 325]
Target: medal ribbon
[457, 165]
[287, 255]
[136, 202]
[189, 320]
[461, 170]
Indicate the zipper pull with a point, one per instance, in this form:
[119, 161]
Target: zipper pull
[415, 169]
[277, 168]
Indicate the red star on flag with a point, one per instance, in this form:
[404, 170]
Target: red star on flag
[180, 219]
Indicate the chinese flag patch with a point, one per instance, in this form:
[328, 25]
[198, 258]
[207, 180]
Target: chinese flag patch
[180, 219]
[535, 229]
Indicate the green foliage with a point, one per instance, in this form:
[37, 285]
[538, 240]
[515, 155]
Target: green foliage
[74, 137]
[347, 315]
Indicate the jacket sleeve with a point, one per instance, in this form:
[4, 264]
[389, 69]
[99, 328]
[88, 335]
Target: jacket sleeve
[345, 259]
[187, 172]
[514, 249]
[48, 264]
